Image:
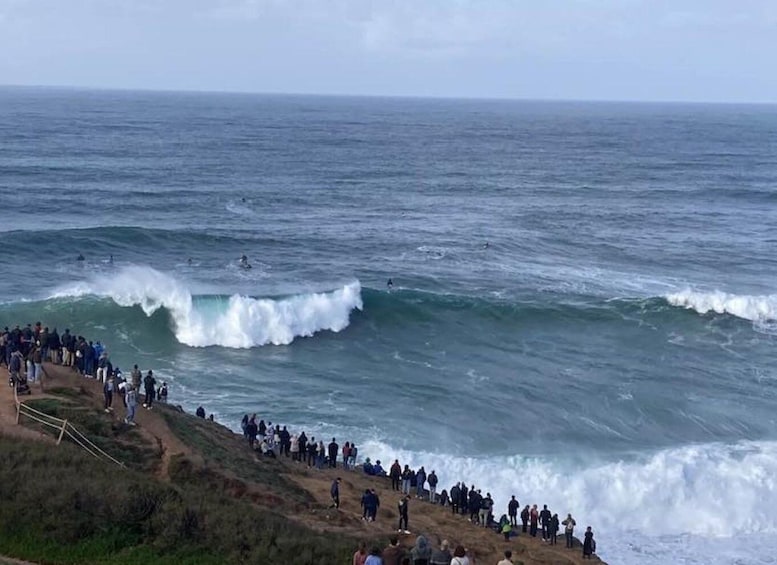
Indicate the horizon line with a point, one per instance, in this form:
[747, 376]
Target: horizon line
[392, 96]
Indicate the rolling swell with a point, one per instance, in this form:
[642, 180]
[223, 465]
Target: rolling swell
[111, 239]
[413, 306]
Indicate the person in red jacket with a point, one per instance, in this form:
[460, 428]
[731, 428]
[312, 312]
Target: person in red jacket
[534, 517]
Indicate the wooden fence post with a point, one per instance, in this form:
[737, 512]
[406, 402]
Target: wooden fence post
[62, 432]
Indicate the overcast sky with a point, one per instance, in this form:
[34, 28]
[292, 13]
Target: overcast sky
[685, 50]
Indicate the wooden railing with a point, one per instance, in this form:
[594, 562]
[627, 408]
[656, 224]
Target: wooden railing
[64, 428]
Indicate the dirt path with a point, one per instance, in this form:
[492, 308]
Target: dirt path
[151, 425]
[8, 424]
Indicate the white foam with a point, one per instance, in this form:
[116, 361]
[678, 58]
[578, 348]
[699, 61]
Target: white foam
[700, 493]
[755, 308]
[237, 321]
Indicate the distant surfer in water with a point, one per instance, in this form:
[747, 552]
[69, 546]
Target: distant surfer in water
[190, 261]
[485, 245]
[244, 264]
[80, 257]
[390, 284]
[110, 260]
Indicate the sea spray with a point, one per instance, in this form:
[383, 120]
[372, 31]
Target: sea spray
[235, 321]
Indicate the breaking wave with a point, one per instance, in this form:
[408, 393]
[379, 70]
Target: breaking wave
[754, 308]
[229, 321]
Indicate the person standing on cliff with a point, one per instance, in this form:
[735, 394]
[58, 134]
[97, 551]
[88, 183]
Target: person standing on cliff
[525, 518]
[455, 494]
[420, 480]
[589, 545]
[432, 481]
[333, 447]
[132, 402]
[407, 474]
[334, 491]
[135, 377]
[534, 517]
[150, 383]
[553, 529]
[395, 473]
[512, 511]
[403, 519]
[569, 528]
[545, 516]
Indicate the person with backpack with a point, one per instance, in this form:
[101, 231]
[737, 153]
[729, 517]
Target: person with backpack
[569, 529]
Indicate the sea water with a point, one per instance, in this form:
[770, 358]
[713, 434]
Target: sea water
[584, 305]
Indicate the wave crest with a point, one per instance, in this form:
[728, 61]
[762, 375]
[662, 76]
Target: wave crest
[754, 308]
[235, 321]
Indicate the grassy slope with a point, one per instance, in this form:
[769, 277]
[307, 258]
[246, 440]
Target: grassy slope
[63, 506]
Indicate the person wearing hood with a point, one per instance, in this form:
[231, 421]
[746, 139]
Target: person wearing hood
[421, 553]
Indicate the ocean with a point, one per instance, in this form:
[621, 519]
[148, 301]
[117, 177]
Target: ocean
[583, 310]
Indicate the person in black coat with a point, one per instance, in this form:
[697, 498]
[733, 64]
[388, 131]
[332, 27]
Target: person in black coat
[589, 545]
[525, 519]
[545, 516]
[333, 447]
[402, 508]
[512, 511]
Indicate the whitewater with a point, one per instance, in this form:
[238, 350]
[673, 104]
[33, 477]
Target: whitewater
[235, 321]
[583, 312]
